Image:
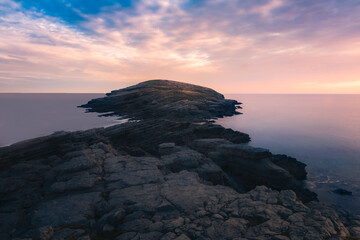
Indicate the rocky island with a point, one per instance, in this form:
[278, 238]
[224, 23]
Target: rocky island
[168, 173]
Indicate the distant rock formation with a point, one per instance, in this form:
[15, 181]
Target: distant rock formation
[166, 100]
[171, 175]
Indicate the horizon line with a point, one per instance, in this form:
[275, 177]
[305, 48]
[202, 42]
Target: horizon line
[220, 93]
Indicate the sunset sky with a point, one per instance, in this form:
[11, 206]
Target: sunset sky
[233, 46]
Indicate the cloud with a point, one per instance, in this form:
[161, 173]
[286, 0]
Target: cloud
[61, 42]
[335, 85]
[73, 11]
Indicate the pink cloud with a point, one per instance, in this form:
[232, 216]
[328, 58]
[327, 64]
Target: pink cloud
[233, 51]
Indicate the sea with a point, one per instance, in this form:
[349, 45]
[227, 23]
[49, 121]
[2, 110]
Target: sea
[322, 131]
[29, 115]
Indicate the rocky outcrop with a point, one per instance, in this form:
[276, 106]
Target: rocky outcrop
[102, 192]
[159, 178]
[341, 191]
[250, 167]
[164, 99]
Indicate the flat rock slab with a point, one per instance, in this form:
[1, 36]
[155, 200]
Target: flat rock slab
[243, 151]
[142, 197]
[183, 159]
[78, 182]
[76, 164]
[72, 210]
[125, 178]
[186, 192]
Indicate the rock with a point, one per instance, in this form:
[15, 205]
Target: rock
[167, 176]
[355, 231]
[143, 197]
[178, 100]
[168, 236]
[341, 191]
[76, 164]
[146, 135]
[67, 233]
[171, 225]
[206, 145]
[288, 199]
[190, 194]
[108, 228]
[77, 182]
[126, 178]
[84, 238]
[279, 237]
[116, 216]
[75, 154]
[46, 233]
[101, 208]
[182, 237]
[127, 236]
[182, 160]
[4, 236]
[133, 171]
[230, 229]
[243, 151]
[138, 225]
[113, 164]
[42, 233]
[150, 235]
[294, 167]
[66, 211]
[11, 184]
[249, 167]
[211, 172]
[265, 195]
[271, 227]
[113, 218]
[168, 148]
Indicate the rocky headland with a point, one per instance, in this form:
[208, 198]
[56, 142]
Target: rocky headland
[168, 173]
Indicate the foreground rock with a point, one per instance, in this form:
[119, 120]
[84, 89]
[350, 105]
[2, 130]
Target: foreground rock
[161, 178]
[180, 194]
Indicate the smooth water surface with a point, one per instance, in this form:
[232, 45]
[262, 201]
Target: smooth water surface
[24, 116]
[322, 131]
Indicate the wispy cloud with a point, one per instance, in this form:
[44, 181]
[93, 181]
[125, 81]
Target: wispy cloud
[78, 45]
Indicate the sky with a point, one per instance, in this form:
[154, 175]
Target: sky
[232, 46]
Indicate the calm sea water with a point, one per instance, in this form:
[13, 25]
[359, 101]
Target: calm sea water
[322, 131]
[25, 116]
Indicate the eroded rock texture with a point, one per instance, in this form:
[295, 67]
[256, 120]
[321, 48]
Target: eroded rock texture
[159, 178]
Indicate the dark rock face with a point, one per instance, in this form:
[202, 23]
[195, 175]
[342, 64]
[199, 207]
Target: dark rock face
[251, 167]
[164, 99]
[341, 191]
[148, 134]
[159, 178]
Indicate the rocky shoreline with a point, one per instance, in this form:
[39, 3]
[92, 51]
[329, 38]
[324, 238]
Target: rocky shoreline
[169, 173]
